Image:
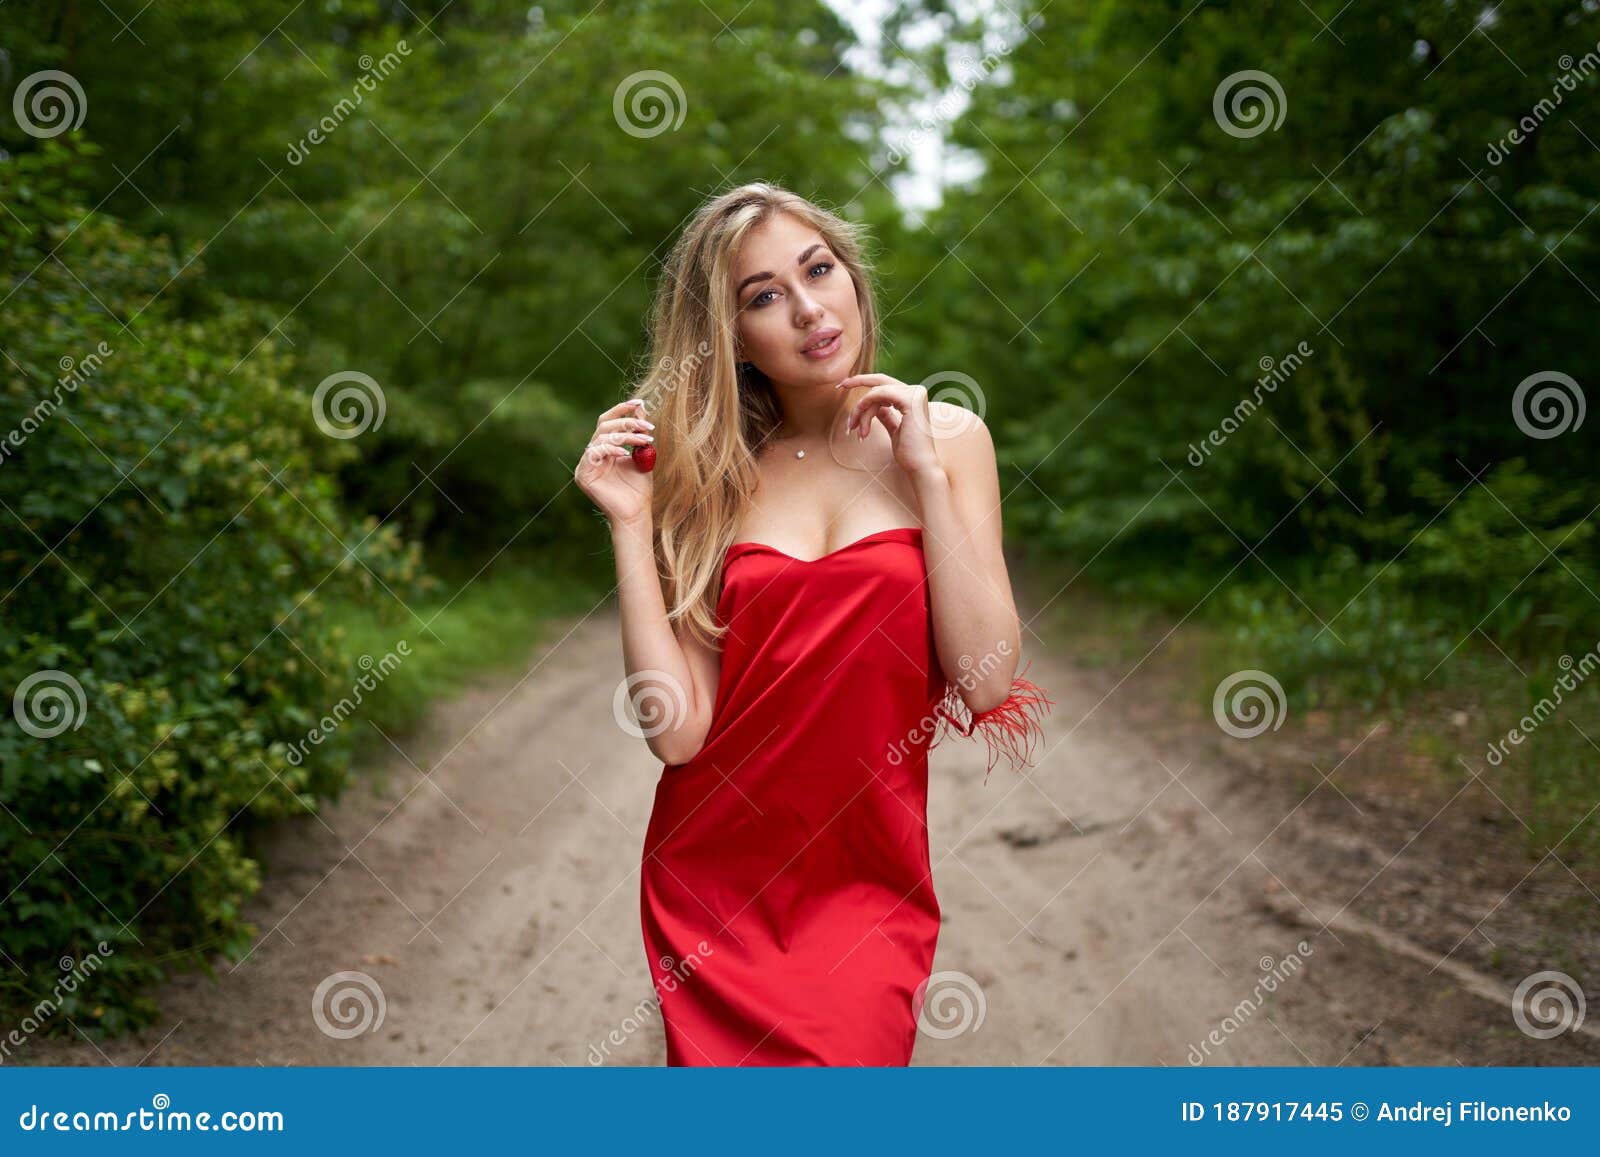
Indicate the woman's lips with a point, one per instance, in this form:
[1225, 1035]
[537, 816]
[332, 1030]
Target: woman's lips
[827, 349]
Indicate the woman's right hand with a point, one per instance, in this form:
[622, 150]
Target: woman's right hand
[606, 472]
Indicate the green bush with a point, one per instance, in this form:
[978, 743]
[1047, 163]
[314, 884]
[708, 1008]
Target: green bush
[1370, 632]
[171, 538]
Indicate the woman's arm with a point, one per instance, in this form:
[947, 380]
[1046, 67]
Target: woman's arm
[672, 677]
[671, 681]
[976, 630]
[957, 485]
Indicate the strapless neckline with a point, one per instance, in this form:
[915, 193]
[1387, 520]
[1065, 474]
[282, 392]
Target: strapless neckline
[912, 531]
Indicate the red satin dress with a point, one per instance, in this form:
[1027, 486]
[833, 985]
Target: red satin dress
[786, 892]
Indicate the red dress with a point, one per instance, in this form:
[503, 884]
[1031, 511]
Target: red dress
[786, 891]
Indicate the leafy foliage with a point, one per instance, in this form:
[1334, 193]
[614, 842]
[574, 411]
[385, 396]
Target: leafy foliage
[1271, 376]
[1130, 272]
[171, 536]
[441, 196]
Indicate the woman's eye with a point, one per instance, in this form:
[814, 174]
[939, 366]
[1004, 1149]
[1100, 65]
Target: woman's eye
[757, 301]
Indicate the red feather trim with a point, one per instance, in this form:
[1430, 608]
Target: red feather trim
[1009, 729]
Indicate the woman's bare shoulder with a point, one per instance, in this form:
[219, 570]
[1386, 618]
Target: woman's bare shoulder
[965, 446]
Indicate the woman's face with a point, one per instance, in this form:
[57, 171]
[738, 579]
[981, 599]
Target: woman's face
[797, 319]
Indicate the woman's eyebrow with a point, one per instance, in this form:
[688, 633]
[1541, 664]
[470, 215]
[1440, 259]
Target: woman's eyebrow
[801, 260]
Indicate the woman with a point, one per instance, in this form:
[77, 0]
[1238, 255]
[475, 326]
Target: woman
[803, 551]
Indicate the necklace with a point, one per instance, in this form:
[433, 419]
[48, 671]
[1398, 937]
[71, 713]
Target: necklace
[797, 453]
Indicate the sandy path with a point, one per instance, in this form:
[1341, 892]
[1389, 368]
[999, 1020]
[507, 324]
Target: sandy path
[1108, 913]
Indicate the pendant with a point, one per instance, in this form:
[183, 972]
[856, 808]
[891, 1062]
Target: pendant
[799, 453]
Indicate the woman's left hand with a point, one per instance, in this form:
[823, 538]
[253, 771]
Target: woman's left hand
[903, 411]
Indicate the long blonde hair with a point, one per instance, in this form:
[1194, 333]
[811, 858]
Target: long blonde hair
[711, 413]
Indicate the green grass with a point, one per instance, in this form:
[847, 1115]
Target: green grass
[470, 629]
[1419, 662]
[1552, 779]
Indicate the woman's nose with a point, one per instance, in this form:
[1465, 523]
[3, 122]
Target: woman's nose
[806, 307]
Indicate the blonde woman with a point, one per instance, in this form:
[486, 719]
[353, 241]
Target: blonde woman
[804, 549]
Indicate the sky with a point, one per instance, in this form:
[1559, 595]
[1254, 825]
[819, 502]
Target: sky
[930, 162]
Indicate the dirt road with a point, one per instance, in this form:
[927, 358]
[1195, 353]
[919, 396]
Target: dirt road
[1114, 907]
